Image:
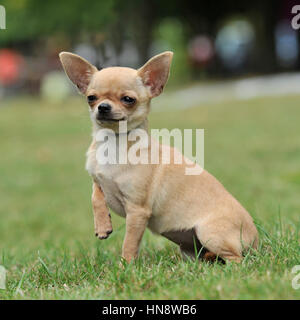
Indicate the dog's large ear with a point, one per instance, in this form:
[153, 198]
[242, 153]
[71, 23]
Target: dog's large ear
[155, 72]
[77, 69]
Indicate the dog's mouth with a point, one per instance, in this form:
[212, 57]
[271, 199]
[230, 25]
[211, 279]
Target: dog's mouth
[105, 119]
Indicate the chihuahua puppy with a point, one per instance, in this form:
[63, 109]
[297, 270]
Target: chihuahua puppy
[194, 211]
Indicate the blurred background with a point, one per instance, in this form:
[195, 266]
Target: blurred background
[231, 39]
[235, 73]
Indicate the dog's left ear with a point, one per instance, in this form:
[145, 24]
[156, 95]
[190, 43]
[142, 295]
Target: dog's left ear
[155, 72]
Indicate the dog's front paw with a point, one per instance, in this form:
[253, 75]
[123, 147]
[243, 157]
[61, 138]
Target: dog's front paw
[103, 227]
[103, 233]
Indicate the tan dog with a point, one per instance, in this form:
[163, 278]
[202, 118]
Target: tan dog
[190, 210]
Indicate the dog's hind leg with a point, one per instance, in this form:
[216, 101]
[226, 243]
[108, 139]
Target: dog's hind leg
[190, 246]
[226, 245]
[202, 254]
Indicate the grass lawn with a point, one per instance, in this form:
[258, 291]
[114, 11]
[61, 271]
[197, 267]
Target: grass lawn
[47, 242]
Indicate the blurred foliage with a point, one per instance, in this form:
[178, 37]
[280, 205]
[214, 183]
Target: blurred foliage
[33, 25]
[171, 35]
[29, 19]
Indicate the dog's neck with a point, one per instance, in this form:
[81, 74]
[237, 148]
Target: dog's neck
[119, 140]
[118, 135]
[143, 126]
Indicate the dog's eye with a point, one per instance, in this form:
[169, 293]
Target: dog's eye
[91, 98]
[128, 100]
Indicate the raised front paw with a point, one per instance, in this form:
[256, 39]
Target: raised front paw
[103, 232]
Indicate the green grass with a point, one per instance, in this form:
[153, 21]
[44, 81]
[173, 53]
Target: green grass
[47, 242]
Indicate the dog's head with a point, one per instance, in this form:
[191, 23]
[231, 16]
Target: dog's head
[118, 93]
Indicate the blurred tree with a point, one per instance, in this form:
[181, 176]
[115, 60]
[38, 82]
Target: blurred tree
[31, 23]
[169, 34]
[32, 20]
[142, 18]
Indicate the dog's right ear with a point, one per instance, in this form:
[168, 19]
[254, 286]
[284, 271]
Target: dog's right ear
[77, 69]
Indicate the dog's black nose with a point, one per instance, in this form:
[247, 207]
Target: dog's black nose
[104, 108]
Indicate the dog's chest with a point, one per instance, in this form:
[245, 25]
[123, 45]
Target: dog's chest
[106, 177]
